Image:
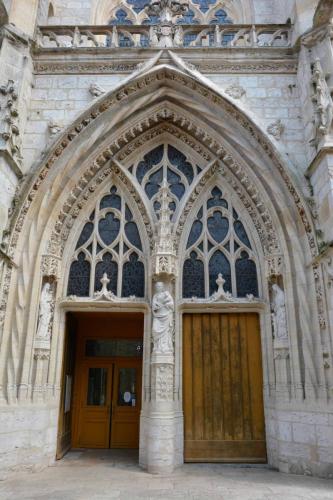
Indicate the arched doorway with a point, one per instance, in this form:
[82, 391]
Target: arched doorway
[161, 104]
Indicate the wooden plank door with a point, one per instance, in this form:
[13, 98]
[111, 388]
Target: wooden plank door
[223, 388]
[93, 429]
[126, 404]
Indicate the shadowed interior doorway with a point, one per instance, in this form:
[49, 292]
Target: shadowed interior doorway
[101, 381]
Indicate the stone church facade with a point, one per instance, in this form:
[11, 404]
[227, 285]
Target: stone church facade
[168, 166]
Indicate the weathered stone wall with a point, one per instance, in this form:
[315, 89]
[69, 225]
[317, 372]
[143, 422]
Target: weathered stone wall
[269, 98]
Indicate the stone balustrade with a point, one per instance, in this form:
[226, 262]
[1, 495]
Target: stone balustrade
[151, 36]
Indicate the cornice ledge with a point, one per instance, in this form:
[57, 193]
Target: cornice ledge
[91, 304]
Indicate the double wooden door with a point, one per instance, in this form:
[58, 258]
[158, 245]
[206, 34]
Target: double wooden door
[108, 405]
[223, 388]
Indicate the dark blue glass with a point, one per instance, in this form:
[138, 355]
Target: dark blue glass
[149, 160]
[128, 214]
[188, 18]
[246, 276]
[195, 233]
[218, 226]
[120, 18]
[241, 233]
[133, 277]
[178, 160]
[193, 277]
[176, 187]
[217, 200]
[85, 234]
[111, 200]
[153, 186]
[204, 5]
[138, 5]
[109, 228]
[110, 267]
[221, 17]
[79, 277]
[219, 264]
[132, 233]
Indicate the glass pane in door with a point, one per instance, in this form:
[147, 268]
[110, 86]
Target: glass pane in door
[96, 394]
[127, 387]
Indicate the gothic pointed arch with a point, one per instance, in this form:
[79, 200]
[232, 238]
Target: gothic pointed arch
[156, 101]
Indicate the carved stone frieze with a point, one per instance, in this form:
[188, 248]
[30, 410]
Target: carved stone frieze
[41, 354]
[162, 383]
[106, 67]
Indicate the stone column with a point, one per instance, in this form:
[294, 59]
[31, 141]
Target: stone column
[160, 435]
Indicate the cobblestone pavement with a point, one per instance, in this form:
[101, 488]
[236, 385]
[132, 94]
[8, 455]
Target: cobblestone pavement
[109, 474]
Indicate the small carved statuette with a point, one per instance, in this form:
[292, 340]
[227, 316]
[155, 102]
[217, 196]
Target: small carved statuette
[279, 317]
[323, 104]
[45, 313]
[235, 91]
[276, 129]
[162, 330]
[96, 90]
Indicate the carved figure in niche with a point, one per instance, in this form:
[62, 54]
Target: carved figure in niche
[178, 39]
[322, 102]
[162, 331]
[153, 38]
[45, 312]
[279, 317]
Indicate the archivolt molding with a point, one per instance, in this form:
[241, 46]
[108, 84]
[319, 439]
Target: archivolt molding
[226, 165]
[184, 81]
[82, 192]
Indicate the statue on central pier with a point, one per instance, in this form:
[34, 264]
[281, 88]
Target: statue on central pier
[162, 331]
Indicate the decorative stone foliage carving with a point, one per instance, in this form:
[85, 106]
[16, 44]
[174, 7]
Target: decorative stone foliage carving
[274, 265]
[164, 258]
[96, 90]
[276, 129]
[323, 104]
[162, 329]
[164, 382]
[54, 128]
[279, 317]
[235, 91]
[9, 121]
[50, 265]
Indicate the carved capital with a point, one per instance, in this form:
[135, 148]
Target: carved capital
[50, 265]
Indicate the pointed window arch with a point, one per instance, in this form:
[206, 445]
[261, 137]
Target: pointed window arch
[218, 243]
[165, 164]
[110, 243]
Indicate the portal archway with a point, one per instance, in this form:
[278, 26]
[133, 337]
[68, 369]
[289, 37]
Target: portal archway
[159, 103]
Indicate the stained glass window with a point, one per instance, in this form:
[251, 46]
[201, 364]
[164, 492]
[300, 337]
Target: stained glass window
[109, 243]
[193, 277]
[218, 243]
[165, 163]
[79, 277]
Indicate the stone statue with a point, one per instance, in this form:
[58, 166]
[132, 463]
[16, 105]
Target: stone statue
[178, 38]
[162, 331]
[153, 38]
[279, 316]
[45, 312]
